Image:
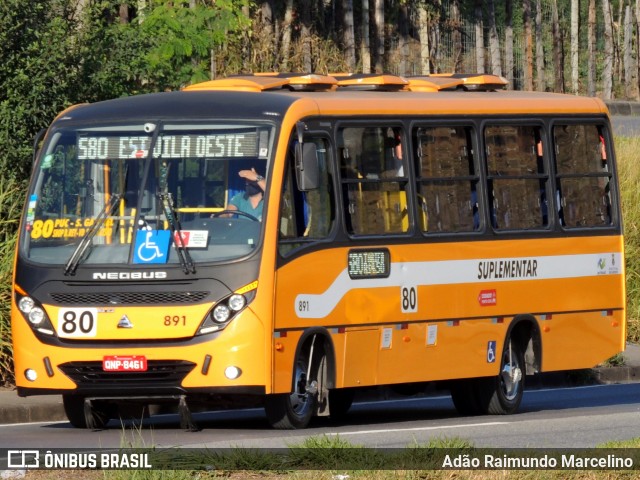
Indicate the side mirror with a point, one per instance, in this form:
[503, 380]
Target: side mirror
[307, 171]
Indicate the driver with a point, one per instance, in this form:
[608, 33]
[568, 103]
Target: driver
[251, 200]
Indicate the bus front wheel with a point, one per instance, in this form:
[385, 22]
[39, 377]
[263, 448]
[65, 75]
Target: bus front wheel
[94, 416]
[294, 410]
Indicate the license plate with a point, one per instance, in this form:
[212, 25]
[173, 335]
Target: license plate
[118, 363]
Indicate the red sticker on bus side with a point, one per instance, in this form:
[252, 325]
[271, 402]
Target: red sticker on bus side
[487, 298]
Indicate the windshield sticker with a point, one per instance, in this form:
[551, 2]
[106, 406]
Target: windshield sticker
[47, 161]
[152, 246]
[67, 228]
[31, 209]
[192, 238]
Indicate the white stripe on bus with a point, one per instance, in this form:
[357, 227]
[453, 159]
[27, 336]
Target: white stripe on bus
[452, 272]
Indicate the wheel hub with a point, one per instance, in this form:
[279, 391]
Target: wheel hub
[511, 377]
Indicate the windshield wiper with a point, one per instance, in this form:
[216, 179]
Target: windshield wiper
[174, 223]
[86, 240]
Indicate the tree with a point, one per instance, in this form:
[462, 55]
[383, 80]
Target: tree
[575, 40]
[425, 68]
[456, 27]
[528, 45]
[558, 49]
[404, 39]
[39, 61]
[591, 49]
[379, 35]
[637, 22]
[349, 35]
[181, 39]
[630, 88]
[305, 36]
[540, 64]
[494, 42]
[435, 32]
[365, 42]
[607, 72]
[479, 28]
[286, 35]
[508, 42]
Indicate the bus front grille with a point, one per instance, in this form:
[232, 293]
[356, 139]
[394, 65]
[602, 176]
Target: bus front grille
[159, 373]
[128, 298]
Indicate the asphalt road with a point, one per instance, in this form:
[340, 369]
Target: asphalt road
[580, 417]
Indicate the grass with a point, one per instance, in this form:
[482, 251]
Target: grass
[629, 172]
[11, 200]
[327, 449]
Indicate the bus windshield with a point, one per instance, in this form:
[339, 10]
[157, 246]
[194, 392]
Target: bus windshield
[146, 194]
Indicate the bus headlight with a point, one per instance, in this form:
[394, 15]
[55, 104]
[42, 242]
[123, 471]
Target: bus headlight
[223, 313]
[36, 316]
[33, 312]
[237, 302]
[26, 304]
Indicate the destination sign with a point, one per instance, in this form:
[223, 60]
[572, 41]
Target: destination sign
[111, 147]
[368, 264]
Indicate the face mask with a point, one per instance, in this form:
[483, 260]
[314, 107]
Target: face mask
[252, 188]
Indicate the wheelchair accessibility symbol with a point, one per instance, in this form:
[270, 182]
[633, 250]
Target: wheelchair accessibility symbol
[491, 351]
[152, 246]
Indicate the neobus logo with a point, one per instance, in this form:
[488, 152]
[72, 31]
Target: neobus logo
[129, 275]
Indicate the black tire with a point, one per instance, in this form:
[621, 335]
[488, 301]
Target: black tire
[95, 417]
[293, 410]
[502, 395]
[340, 401]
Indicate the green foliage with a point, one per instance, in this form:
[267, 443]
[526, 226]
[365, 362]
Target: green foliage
[11, 192]
[629, 173]
[36, 74]
[182, 39]
[113, 63]
[53, 56]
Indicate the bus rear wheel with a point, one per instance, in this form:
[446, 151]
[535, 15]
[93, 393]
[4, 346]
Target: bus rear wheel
[294, 410]
[499, 395]
[503, 394]
[96, 416]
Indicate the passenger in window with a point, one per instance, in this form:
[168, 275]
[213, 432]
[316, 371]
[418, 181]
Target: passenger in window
[251, 200]
[393, 149]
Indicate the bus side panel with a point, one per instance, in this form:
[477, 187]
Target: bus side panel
[581, 340]
[439, 351]
[284, 351]
[442, 311]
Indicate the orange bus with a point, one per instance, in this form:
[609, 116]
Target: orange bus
[288, 239]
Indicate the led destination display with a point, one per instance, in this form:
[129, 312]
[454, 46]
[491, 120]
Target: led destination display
[200, 145]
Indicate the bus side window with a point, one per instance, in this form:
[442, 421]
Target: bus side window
[516, 177]
[583, 176]
[306, 216]
[446, 180]
[373, 182]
